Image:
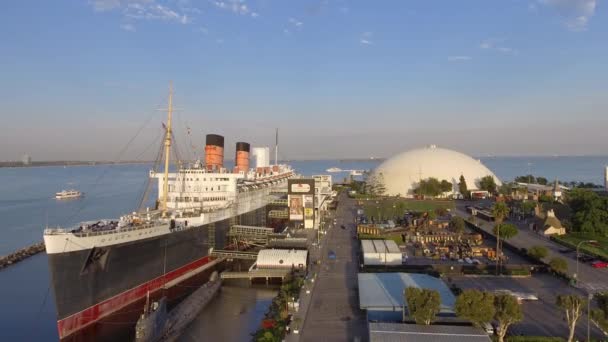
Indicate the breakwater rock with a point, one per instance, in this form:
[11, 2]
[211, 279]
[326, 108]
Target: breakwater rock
[21, 254]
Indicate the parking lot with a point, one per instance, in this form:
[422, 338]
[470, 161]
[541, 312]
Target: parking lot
[542, 316]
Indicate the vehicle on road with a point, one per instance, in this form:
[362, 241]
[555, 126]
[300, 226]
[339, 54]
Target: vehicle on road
[599, 264]
[331, 255]
[521, 296]
[343, 226]
[468, 260]
[565, 250]
[488, 328]
[586, 258]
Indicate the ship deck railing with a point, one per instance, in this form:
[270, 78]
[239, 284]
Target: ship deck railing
[84, 233]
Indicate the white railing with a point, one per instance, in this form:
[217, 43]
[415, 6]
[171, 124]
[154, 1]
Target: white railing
[86, 233]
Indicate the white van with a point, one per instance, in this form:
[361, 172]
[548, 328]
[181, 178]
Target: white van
[488, 328]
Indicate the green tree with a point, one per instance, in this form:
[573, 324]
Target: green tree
[429, 187]
[488, 184]
[559, 265]
[422, 304]
[500, 210]
[508, 312]
[573, 309]
[380, 185]
[505, 189]
[542, 180]
[462, 187]
[538, 252]
[529, 179]
[458, 225]
[589, 214]
[475, 306]
[446, 186]
[527, 206]
[400, 208]
[505, 231]
[267, 336]
[374, 184]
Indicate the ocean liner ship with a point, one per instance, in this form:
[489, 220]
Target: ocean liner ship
[106, 268]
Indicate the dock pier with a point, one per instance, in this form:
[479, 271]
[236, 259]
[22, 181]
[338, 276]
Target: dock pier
[257, 274]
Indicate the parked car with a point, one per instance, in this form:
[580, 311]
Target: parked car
[586, 258]
[488, 328]
[343, 226]
[565, 250]
[599, 264]
[331, 255]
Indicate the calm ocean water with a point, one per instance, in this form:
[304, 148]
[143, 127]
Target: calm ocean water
[27, 206]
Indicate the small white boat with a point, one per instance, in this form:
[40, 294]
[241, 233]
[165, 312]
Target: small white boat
[334, 169]
[64, 194]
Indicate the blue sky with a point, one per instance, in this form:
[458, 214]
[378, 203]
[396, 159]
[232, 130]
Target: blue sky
[339, 78]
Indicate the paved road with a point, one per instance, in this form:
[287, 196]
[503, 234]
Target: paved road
[542, 317]
[591, 279]
[334, 313]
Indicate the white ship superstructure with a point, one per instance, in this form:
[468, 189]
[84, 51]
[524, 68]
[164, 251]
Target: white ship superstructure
[102, 267]
[64, 194]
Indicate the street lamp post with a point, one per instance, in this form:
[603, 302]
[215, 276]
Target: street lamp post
[577, 254]
[589, 297]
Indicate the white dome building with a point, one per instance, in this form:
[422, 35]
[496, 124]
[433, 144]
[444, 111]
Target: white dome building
[402, 173]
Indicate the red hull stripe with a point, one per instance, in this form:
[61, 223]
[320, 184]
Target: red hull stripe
[85, 317]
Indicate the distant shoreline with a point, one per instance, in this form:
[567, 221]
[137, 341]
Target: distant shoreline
[16, 164]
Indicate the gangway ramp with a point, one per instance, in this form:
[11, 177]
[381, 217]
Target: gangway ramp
[279, 202]
[219, 253]
[257, 273]
[278, 214]
[250, 231]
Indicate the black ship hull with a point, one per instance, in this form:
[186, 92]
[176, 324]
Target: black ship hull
[100, 291]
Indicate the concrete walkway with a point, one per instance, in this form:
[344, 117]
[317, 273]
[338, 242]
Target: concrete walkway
[330, 312]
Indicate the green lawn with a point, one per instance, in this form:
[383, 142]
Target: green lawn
[389, 207]
[572, 239]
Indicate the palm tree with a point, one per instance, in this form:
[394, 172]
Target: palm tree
[500, 210]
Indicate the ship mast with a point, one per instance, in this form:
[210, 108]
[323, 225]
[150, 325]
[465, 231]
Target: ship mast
[167, 151]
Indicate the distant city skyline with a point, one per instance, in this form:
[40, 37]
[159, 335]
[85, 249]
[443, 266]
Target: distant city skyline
[340, 79]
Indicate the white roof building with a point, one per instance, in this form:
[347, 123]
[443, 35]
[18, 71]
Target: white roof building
[402, 173]
[384, 291]
[282, 258]
[381, 252]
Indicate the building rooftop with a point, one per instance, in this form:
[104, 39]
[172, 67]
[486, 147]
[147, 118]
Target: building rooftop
[380, 246]
[399, 332]
[384, 291]
[402, 173]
